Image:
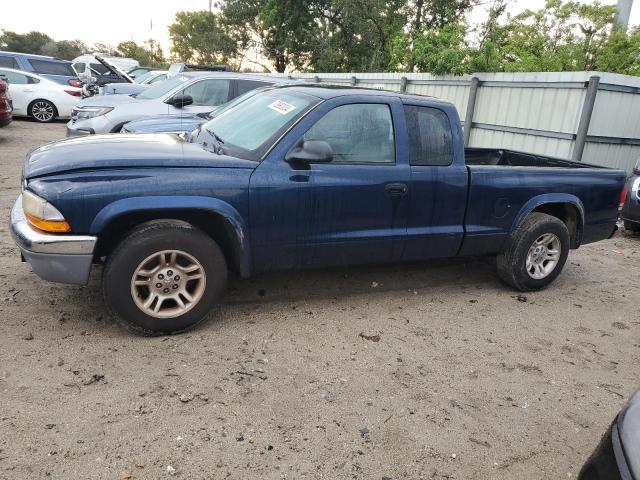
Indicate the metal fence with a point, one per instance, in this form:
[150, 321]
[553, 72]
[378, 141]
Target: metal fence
[585, 116]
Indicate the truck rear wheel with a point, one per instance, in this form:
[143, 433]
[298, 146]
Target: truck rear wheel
[164, 278]
[535, 254]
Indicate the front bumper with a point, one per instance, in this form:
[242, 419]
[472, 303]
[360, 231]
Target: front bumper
[89, 126]
[56, 258]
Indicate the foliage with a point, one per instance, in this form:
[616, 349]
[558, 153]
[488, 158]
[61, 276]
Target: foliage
[150, 54]
[31, 42]
[201, 37]
[376, 35]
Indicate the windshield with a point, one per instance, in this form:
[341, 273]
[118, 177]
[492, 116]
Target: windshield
[248, 129]
[162, 88]
[226, 106]
[143, 77]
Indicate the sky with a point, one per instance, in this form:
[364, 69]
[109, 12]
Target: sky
[114, 21]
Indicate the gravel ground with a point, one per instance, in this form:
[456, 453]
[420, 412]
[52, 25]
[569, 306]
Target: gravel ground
[432, 370]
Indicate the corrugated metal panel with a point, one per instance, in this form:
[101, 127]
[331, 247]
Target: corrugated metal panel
[556, 110]
[526, 143]
[616, 114]
[623, 157]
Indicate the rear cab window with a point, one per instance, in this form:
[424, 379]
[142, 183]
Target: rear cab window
[430, 136]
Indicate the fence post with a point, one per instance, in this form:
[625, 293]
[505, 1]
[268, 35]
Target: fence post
[471, 105]
[403, 84]
[354, 80]
[316, 78]
[585, 118]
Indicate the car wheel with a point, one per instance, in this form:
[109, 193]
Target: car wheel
[535, 253]
[631, 226]
[164, 278]
[42, 111]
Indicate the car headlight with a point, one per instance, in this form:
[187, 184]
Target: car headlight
[42, 215]
[84, 113]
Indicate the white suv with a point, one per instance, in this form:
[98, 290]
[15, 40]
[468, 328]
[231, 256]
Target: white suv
[186, 93]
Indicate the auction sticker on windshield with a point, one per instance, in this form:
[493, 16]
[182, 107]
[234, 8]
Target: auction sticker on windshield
[282, 107]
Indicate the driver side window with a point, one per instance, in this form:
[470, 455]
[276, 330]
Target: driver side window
[357, 133]
[208, 92]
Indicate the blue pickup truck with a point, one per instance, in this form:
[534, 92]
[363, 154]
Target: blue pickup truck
[295, 177]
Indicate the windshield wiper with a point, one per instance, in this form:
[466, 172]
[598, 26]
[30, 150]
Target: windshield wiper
[219, 141]
[194, 134]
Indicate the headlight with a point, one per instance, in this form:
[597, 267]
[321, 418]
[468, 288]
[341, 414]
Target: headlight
[636, 169]
[84, 113]
[42, 215]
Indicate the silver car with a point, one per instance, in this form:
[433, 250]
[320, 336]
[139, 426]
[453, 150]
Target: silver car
[186, 93]
[140, 84]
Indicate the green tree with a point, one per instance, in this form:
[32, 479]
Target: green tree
[562, 36]
[150, 54]
[70, 49]
[31, 42]
[201, 37]
[331, 35]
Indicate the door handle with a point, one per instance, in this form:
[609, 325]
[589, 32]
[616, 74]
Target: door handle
[396, 189]
[28, 90]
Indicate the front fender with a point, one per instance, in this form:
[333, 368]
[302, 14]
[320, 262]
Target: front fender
[551, 198]
[128, 206]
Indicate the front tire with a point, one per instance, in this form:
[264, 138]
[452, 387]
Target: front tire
[42, 111]
[535, 254]
[164, 278]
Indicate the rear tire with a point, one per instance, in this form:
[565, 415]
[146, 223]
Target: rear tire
[42, 111]
[535, 253]
[164, 278]
[631, 226]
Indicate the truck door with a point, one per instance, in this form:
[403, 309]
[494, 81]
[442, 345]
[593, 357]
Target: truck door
[438, 187]
[352, 210]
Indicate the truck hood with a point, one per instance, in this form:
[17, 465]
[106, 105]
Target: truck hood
[124, 151]
[166, 123]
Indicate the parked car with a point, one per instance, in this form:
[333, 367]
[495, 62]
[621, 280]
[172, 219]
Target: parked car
[5, 105]
[617, 457]
[297, 177]
[89, 65]
[60, 71]
[188, 123]
[631, 209]
[38, 97]
[140, 84]
[186, 93]
[138, 71]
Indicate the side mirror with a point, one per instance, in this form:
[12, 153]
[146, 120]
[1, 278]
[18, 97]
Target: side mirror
[310, 151]
[180, 100]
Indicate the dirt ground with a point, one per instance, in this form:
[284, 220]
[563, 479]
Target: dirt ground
[422, 371]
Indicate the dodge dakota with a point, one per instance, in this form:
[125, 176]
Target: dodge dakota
[295, 177]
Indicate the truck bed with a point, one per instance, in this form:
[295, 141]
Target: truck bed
[497, 195]
[512, 158]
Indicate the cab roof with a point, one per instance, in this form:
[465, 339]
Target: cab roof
[326, 92]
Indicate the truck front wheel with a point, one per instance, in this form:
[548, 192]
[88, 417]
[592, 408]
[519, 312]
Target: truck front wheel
[535, 253]
[163, 278]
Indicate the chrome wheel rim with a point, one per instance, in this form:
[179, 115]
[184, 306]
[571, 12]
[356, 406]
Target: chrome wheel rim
[42, 111]
[167, 284]
[543, 256]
